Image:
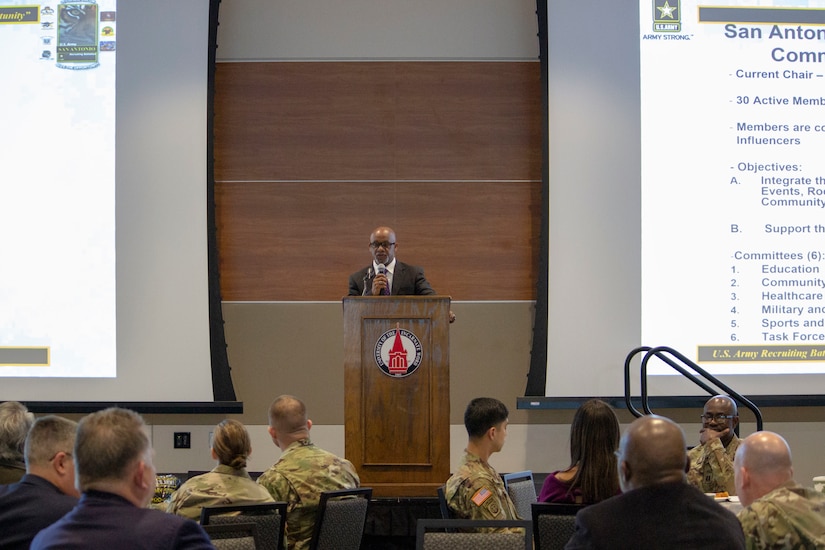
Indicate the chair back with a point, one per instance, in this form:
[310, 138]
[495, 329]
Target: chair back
[472, 534]
[270, 517]
[553, 524]
[522, 490]
[339, 524]
[235, 536]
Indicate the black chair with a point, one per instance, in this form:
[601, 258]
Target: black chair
[339, 524]
[553, 524]
[522, 490]
[270, 517]
[472, 534]
[235, 536]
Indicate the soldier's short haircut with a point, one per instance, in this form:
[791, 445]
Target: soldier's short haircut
[15, 422]
[48, 436]
[108, 443]
[482, 414]
[288, 414]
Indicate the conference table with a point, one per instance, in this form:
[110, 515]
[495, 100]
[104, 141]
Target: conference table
[731, 503]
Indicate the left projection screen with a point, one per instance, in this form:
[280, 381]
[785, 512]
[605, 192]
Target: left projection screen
[104, 286]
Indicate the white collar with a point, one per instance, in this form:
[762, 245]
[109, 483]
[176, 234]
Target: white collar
[390, 267]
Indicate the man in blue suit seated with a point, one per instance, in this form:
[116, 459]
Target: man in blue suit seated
[657, 508]
[47, 491]
[116, 474]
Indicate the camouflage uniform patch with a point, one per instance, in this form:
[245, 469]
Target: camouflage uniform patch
[790, 517]
[711, 466]
[222, 486]
[476, 491]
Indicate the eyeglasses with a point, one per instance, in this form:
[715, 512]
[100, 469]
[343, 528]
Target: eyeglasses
[717, 417]
[386, 245]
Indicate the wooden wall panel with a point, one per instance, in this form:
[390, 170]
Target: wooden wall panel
[310, 157]
[384, 121]
[300, 241]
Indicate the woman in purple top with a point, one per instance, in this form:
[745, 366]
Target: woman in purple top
[593, 474]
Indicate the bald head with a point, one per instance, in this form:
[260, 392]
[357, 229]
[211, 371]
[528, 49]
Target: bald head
[762, 464]
[652, 452]
[383, 244]
[727, 404]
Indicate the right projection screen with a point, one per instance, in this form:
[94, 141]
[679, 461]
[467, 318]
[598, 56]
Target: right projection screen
[729, 175]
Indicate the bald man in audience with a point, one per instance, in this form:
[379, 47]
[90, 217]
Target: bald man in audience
[303, 470]
[658, 508]
[711, 462]
[47, 492]
[779, 513]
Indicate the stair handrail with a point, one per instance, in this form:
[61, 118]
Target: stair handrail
[662, 353]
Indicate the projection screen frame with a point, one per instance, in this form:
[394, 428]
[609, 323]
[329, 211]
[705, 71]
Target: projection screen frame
[536, 388]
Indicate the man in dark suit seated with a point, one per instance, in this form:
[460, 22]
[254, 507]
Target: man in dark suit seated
[47, 492]
[386, 275]
[115, 472]
[657, 509]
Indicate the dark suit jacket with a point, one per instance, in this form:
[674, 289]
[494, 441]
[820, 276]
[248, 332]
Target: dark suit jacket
[105, 521]
[407, 280]
[670, 516]
[28, 506]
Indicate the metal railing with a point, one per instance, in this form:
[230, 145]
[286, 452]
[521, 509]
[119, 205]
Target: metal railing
[669, 356]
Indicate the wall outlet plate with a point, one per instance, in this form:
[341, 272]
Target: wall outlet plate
[183, 440]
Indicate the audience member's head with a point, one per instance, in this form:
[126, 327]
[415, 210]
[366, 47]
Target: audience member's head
[652, 452]
[231, 445]
[288, 421]
[483, 413]
[113, 454]
[762, 464]
[719, 418]
[15, 422]
[486, 421]
[49, 448]
[594, 439]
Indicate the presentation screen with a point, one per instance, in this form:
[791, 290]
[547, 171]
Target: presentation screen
[104, 285]
[686, 193]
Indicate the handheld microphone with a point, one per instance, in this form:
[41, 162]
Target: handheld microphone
[382, 270]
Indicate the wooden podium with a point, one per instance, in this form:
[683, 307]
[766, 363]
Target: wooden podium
[397, 392]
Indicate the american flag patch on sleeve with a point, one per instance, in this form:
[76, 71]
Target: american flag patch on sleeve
[481, 495]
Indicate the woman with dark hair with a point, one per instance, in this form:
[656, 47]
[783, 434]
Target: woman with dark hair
[228, 482]
[593, 473]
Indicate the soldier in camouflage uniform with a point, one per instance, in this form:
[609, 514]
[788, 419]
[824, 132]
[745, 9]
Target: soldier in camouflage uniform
[303, 471]
[227, 483]
[711, 462]
[778, 513]
[476, 491]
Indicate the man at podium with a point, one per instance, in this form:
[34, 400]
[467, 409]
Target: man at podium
[387, 276]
